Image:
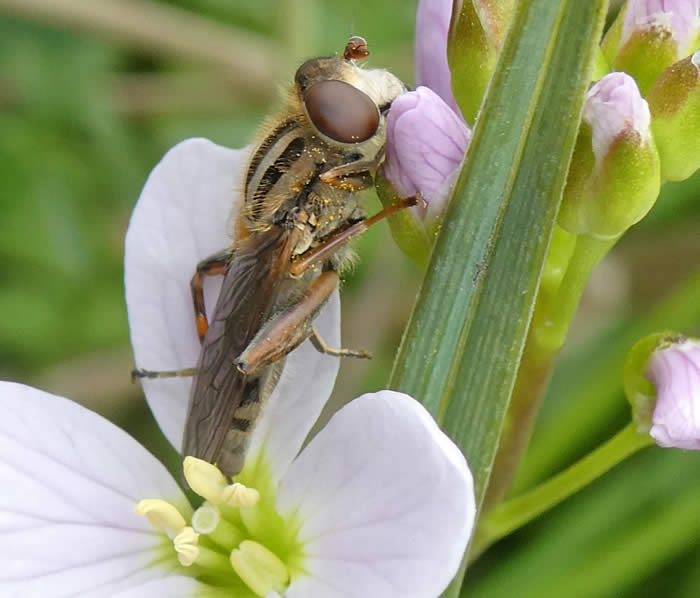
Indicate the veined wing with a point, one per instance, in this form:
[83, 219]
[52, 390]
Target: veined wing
[248, 295]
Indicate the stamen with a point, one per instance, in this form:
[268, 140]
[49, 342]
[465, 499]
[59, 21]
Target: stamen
[186, 546]
[205, 479]
[259, 568]
[161, 515]
[238, 495]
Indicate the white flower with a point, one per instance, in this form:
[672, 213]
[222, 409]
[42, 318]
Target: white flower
[380, 503]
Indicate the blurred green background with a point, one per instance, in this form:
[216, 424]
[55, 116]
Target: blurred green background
[91, 96]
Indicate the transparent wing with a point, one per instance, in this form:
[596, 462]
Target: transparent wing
[248, 295]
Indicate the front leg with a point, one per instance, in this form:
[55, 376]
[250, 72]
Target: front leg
[354, 176]
[287, 329]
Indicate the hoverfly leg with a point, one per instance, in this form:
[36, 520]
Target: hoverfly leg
[211, 266]
[322, 347]
[354, 176]
[287, 329]
[141, 373]
[324, 250]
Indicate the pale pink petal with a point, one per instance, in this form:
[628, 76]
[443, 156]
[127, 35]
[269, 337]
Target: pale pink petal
[432, 70]
[70, 480]
[613, 107]
[385, 501]
[677, 17]
[675, 372]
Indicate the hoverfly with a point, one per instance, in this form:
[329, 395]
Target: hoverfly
[301, 206]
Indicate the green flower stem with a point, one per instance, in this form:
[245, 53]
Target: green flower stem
[556, 305]
[589, 251]
[514, 513]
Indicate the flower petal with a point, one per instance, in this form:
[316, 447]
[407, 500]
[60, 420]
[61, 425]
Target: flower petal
[173, 586]
[70, 482]
[303, 389]
[432, 28]
[675, 372]
[678, 18]
[185, 214]
[614, 106]
[425, 146]
[385, 502]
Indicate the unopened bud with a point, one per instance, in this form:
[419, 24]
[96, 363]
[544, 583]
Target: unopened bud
[650, 35]
[426, 142]
[674, 101]
[432, 27]
[614, 175]
[477, 32]
[662, 382]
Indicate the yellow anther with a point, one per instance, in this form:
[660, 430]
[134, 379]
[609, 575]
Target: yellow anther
[186, 546]
[161, 515]
[238, 495]
[259, 568]
[205, 479]
[205, 519]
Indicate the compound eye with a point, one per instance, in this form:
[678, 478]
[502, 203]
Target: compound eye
[341, 112]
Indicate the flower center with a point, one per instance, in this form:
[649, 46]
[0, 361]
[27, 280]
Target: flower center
[235, 539]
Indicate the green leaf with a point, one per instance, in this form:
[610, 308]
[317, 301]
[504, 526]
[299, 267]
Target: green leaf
[461, 349]
[460, 353]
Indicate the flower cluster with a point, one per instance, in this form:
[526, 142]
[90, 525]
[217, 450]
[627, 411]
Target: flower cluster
[627, 145]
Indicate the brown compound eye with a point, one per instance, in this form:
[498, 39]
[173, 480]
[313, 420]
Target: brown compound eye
[341, 112]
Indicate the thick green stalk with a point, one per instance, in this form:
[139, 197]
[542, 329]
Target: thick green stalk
[513, 514]
[555, 308]
[592, 387]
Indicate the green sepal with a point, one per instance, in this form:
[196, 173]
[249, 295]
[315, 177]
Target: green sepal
[639, 390]
[645, 55]
[409, 232]
[477, 32]
[604, 200]
[674, 103]
[611, 40]
[561, 248]
[601, 67]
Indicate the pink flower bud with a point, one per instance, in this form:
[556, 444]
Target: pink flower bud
[675, 372]
[425, 146]
[614, 108]
[432, 27]
[677, 18]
